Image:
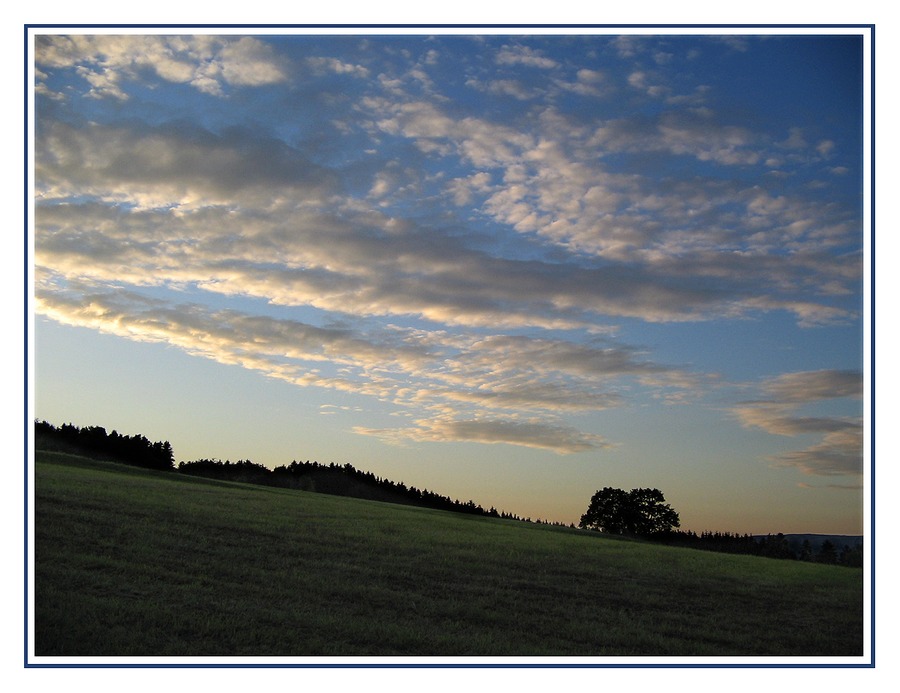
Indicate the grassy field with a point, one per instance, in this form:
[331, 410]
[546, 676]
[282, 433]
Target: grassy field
[135, 562]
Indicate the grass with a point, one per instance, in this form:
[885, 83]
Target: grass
[138, 563]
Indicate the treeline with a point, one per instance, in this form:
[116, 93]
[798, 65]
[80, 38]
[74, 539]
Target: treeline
[770, 546]
[134, 450]
[340, 480]
[335, 479]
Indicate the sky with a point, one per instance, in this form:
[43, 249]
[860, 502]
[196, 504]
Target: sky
[508, 267]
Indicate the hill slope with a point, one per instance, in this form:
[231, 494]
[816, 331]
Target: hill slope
[137, 562]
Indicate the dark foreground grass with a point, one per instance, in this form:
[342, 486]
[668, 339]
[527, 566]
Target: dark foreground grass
[139, 563]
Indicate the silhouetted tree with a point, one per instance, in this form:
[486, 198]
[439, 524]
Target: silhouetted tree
[607, 512]
[639, 512]
[806, 552]
[651, 514]
[776, 546]
[852, 557]
[827, 553]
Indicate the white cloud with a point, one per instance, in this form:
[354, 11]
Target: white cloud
[627, 45]
[249, 62]
[691, 228]
[104, 83]
[825, 147]
[523, 55]
[279, 348]
[338, 67]
[587, 76]
[206, 62]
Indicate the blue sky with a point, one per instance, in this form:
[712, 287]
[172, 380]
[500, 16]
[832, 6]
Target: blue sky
[507, 268]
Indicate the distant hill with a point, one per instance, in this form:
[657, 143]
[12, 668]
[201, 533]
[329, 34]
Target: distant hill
[816, 540]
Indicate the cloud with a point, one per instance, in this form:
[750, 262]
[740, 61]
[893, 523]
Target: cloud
[691, 133]
[524, 55]
[103, 83]
[444, 374]
[249, 62]
[627, 45]
[584, 82]
[795, 140]
[587, 76]
[840, 487]
[518, 373]
[285, 349]
[167, 166]
[191, 193]
[640, 80]
[825, 148]
[811, 386]
[560, 439]
[505, 87]
[477, 267]
[839, 454]
[840, 447]
[733, 41]
[208, 63]
[588, 83]
[337, 66]
[250, 215]
[662, 57]
[692, 229]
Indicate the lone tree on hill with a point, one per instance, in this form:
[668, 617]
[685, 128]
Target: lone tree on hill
[639, 512]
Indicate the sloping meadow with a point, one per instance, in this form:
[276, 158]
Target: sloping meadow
[132, 562]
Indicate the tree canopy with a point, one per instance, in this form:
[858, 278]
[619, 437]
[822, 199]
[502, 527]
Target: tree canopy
[135, 450]
[639, 512]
